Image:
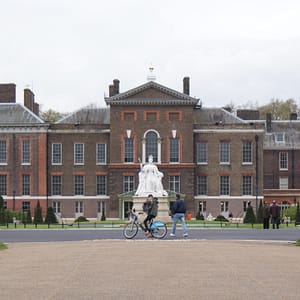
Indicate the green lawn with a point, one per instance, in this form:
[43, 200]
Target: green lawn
[120, 223]
[2, 246]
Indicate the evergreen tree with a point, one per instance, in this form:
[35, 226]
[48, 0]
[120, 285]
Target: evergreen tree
[38, 218]
[250, 216]
[50, 216]
[2, 211]
[297, 219]
[28, 217]
[259, 217]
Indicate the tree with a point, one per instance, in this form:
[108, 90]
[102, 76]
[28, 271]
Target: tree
[297, 219]
[28, 217]
[2, 211]
[280, 109]
[250, 216]
[50, 216]
[38, 218]
[51, 115]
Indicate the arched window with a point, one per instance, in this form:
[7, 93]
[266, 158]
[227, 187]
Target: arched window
[152, 146]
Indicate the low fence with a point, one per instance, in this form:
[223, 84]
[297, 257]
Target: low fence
[114, 224]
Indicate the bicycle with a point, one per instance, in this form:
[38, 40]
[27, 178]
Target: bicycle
[157, 229]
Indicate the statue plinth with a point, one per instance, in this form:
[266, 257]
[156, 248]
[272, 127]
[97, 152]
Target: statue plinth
[163, 208]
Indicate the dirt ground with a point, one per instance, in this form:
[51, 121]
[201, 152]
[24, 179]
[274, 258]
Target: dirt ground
[150, 269]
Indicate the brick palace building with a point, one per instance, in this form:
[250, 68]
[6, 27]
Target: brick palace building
[87, 163]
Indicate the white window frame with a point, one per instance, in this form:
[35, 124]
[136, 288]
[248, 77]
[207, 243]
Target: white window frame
[283, 183]
[26, 152]
[77, 183]
[56, 155]
[177, 145]
[199, 152]
[126, 150]
[222, 153]
[144, 158]
[246, 152]
[284, 160]
[280, 138]
[3, 152]
[78, 157]
[105, 184]
[99, 153]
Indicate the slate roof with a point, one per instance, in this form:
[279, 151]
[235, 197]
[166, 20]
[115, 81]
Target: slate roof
[215, 115]
[175, 98]
[17, 114]
[288, 130]
[87, 115]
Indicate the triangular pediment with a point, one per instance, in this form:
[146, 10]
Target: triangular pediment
[151, 93]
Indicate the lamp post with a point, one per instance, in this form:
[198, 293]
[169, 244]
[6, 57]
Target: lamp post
[256, 175]
[14, 200]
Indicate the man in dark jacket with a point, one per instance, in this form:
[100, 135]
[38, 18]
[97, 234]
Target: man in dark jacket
[266, 215]
[275, 215]
[151, 206]
[178, 212]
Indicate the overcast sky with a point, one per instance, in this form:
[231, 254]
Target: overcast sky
[69, 51]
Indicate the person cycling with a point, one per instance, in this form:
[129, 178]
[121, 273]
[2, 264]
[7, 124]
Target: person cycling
[151, 208]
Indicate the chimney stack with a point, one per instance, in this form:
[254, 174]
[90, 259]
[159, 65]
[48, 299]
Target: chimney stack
[248, 114]
[7, 93]
[36, 109]
[186, 85]
[114, 88]
[117, 86]
[29, 99]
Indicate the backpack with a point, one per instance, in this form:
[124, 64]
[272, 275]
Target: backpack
[146, 206]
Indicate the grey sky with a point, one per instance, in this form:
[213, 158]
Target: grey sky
[69, 51]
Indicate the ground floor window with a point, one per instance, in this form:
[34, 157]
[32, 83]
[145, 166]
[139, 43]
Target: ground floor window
[202, 207]
[246, 204]
[174, 183]
[101, 208]
[78, 207]
[25, 206]
[56, 207]
[224, 206]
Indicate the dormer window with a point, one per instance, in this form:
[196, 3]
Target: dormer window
[279, 138]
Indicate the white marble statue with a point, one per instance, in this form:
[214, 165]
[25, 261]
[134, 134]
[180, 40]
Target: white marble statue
[150, 180]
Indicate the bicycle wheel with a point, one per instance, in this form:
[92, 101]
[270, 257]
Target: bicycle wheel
[130, 230]
[158, 230]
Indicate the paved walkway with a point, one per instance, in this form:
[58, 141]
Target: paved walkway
[150, 269]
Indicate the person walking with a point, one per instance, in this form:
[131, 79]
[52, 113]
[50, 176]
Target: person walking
[266, 215]
[275, 214]
[178, 212]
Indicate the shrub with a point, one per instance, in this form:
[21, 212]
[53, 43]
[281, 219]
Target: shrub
[221, 218]
[81, 219]
[297, 218]
[249, 217]
[28, 217]
[50, 216]
[290, 212]
[38, 218]
[199, 216]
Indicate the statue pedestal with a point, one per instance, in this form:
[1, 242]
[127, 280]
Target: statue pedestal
[163, 208]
